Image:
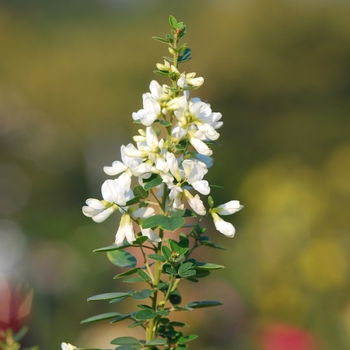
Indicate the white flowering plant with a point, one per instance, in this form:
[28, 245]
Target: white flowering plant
[158, 187]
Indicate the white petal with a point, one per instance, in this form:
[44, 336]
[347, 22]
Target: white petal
[200, 146]
[152, 237]
[202, 187]
[195, 203]
[100, 217]
[222, 226]
[116, 168]
[228, 208]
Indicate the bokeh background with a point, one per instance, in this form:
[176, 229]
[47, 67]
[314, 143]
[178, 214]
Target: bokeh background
[71, 74]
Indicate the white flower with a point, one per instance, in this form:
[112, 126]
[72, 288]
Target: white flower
[199, 145]
[98, 210]
[117, 191]
[195, 203]
[223, 226]
[67, 346]
[228, 208]
[150, 112]
[125, 231]
[145, 213]
[134, 166]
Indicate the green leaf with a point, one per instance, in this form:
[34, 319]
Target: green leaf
[207, 266]
[160, 39]
[126, 273]
[133, 279]
[143, 275]
[185, 55]
[212, 245]
[153, 183]
[184, 267]
[157, 257]
[140, 240]
[166, 251]
[203, 304]
[187, 338]
[156, 342]
[126, 347]
[173, 22]
[134, 200]
[152, 221]
[145, 314]
[187, 273]
[20, 334]
[171, 271]
[101, 317]
[143, 294]
[171, 224]
[163, 312]
[107, 249]
[126, 341]
[122, 258]
[120, 318]
[178, 324]
[139, 191]
[108, 296]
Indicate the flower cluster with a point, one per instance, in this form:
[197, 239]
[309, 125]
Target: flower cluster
[166, 158]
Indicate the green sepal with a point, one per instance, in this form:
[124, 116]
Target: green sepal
[203, 304]
[101, 317]
[121, 258]
[127, 341]
[20, 334]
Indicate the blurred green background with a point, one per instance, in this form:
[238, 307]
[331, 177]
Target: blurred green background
[72, 73]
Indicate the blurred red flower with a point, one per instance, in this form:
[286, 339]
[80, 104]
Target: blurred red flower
[15, 302]
[287, 337]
